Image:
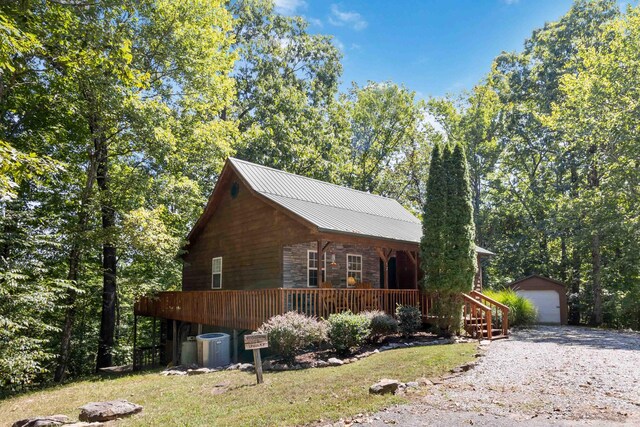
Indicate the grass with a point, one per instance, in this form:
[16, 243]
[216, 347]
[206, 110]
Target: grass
[285, 398]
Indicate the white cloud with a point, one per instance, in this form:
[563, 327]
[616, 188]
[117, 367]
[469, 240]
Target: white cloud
[316, 22]
[341, 18]
[289, 7]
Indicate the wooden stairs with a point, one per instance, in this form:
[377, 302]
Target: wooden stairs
[485, 318]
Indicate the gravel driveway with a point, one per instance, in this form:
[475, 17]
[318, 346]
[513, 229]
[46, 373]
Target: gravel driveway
[542, 376]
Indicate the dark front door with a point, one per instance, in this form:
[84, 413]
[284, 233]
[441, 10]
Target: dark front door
[393, 283]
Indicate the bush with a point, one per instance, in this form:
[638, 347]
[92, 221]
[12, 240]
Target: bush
[347, 331]
[409, 319]
[380, 324]
[522, 312]
[292, 332]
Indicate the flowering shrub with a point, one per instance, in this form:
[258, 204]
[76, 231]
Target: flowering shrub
[292, 332]
[409, 318]
[347, 331]
[380, 324]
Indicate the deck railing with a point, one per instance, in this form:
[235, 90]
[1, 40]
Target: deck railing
[499, 311]
[249, 309]
[476, 317]
[147, 357]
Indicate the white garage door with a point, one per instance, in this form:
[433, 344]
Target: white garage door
[547, 303]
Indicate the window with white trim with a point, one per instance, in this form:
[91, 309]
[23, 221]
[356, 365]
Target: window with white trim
[312, 268]
[216, 273]
[354, 268]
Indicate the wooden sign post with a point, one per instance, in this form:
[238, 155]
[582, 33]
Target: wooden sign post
[255, 342]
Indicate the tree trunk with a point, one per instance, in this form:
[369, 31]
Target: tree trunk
[596, 284]
[596, 256]
[108, 320]
[574, 308]
[75, 255]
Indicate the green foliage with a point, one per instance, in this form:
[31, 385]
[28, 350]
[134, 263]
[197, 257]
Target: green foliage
[287, 82]
[447, 247]
[380, 324]
[293, 332]
[25, 331]
[409, 319]
[522, 312]
[347, 331]
[551, 140]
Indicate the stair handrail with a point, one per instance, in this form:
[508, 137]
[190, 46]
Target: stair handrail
[502, 307]
[486, 309]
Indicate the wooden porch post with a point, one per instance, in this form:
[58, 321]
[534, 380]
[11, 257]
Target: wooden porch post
[384, 256]
[319, 258]
[320, 252]
[415, 271]
[414, 259]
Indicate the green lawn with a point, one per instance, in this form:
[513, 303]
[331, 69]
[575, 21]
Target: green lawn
[285, 398]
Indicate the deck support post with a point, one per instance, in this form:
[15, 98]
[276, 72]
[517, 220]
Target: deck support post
[153, 342]
[174, 344]
[135, 340]
[235, 346]
[199, 328]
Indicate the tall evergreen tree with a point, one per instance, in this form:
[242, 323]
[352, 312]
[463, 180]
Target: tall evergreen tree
[447, 246]
[433, 236]
[460, 248]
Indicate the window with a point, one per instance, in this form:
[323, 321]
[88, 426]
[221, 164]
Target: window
[354, 269]
[216, 273]
[312, 268]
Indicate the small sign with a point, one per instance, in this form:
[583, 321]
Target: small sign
[255, 341]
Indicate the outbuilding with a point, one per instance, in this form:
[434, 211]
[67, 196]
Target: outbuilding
[548, 295]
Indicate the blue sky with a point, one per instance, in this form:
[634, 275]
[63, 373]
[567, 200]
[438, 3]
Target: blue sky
[434, 47]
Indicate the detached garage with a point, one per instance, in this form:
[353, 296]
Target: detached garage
[548, 295]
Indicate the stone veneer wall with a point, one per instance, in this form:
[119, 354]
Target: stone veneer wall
[294, 264]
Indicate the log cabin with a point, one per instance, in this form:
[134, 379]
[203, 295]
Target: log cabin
[264, 228]
[269, 241]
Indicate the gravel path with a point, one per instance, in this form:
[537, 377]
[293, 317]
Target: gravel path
[547, 375]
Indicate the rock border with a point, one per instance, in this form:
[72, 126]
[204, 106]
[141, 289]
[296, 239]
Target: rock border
[274, 365]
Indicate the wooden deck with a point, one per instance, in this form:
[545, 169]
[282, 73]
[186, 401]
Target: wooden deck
[250, 309]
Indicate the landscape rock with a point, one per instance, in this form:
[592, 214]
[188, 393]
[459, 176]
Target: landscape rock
[412, 384]
[424, 382]
[468, 366]
[334, 361]
[107, 411]
[40, 421]
[168, 372]
[384, 386]
[245, 367]
[233, 367]
[321, 364]
[200, 371]
[267, 365]
[84, 424]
